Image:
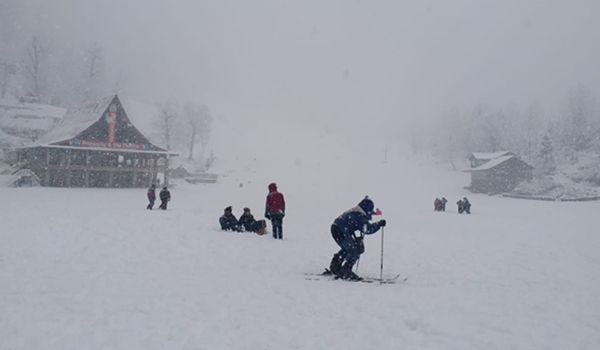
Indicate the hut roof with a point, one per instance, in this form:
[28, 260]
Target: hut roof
[75, 121]
[497, 161]
[490, 156]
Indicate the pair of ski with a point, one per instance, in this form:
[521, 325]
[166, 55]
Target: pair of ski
[328, 276]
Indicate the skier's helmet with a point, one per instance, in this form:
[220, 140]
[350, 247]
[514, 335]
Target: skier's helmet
[367, 205]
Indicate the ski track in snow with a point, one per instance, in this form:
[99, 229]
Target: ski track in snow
[91, 269]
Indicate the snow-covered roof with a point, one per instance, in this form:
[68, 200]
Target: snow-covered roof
[34, 110]
[495, 162]
[490, 156]
[75, 121]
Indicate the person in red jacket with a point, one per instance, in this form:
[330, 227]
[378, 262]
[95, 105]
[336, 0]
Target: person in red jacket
[151, 197]
[275, 210]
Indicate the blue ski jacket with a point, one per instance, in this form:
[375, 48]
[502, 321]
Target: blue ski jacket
[357, 219]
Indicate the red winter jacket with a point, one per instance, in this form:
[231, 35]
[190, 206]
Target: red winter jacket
[275, 201]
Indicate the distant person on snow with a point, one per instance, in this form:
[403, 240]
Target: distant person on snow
[466, 205]
[443, 203]
[343, 232]
[229, 222]
[437, 205]
[151, 197]
[165, 197]
[275, 210]
[249, 224]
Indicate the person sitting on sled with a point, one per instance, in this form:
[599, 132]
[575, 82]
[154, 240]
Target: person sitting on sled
[343, 232]
[229, 222]
[250, 224]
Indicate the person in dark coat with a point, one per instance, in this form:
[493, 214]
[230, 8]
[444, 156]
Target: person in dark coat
[461, 208]
[151, 197]
[343, 232]
[275, 210]
[466, 205]
[165, 197]
[249, 224]
[437, 205]
[443, 204]
[229, 222]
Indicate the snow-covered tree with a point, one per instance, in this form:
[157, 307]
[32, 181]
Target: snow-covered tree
[547, 154]
[579, 114]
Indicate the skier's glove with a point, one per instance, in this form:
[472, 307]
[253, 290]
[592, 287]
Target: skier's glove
[382, 223]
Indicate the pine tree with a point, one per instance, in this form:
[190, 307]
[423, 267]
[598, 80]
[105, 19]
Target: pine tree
[547, 154]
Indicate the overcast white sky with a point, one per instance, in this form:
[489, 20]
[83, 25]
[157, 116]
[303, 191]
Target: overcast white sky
[328, 61]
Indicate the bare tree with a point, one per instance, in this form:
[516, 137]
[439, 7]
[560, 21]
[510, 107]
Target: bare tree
[451, 126]
[36, 56]
[93, 61]
[167, 122]
[199, 123]
[9, 69]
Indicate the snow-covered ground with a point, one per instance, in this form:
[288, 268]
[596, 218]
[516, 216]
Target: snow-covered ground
[92, 269]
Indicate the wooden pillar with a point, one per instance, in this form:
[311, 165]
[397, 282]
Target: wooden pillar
[47, 175]
[135, 173]
[87, 169]
[167, 171]
[68, 168]
[155, 170]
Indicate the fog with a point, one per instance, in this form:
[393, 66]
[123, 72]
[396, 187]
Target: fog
[329, 62]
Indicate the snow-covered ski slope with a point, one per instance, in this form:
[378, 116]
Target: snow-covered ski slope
[92, 269]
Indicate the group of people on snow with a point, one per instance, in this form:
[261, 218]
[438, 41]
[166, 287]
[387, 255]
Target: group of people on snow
[164, 195]
[440, 204]
[246, 223]
[464, 206]
[343, 229]
[274, 211]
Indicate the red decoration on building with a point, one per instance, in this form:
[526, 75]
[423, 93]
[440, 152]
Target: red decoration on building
[112, 123]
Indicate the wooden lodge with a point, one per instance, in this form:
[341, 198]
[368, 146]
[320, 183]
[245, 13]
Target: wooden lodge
[95, 145]
[495, 173]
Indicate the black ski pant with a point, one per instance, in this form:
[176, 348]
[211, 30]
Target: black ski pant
[163, 204]
[151, 204]
[350, 249]
[277, 223]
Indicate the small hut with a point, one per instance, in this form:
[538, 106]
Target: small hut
[501, 173]
[94, 145]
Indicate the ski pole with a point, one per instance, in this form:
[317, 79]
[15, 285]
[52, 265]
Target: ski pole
[381, 265]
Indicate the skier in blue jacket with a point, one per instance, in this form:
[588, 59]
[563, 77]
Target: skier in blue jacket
[343, 231]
